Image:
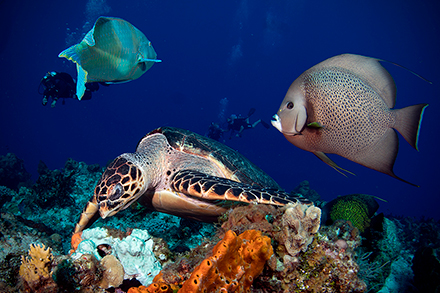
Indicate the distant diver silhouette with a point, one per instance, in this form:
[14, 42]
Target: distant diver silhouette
[236, 124]
[55, 85]
[215, 131]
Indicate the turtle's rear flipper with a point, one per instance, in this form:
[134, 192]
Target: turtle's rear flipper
[209, 187]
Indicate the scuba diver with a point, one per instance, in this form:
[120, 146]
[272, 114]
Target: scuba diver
[215, 131]
[55, 85]
[236, 124]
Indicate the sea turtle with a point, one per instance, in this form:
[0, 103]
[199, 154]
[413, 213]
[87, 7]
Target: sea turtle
[179, 172]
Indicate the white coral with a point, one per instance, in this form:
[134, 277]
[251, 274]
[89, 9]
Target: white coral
[135, 252]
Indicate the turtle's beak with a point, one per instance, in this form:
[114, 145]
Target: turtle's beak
[104, 211]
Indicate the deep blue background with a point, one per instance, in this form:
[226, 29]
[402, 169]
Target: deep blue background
[246, 51]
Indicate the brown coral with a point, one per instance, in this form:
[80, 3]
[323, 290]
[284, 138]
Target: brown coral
[298, 225]
[113, 272]
[36, 269]
[236, 262]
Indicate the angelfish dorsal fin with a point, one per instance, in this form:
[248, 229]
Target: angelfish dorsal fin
[369, 70]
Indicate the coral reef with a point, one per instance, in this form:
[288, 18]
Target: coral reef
[330, 260]
[134, 251]
[426, 267]
[304, 189]
[12, 172]
[54, 188]
[16, 235]
[36, 270]
[357, 208]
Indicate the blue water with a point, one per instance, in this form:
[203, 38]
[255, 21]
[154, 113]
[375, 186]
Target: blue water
[248, 52]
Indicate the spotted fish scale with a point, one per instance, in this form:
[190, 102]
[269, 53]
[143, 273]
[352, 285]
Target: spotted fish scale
[340, 101]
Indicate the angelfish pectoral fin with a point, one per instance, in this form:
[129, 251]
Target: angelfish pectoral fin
[316, 125]
[323, 157]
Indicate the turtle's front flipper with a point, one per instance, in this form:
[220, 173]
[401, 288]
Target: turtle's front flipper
[88, 216]
[209, 187]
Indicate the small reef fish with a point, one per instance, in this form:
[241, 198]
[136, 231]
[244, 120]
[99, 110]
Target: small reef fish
[112, 51]
[343, 106]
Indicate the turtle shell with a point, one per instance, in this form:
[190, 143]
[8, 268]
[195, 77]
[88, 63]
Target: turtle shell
[244, 170]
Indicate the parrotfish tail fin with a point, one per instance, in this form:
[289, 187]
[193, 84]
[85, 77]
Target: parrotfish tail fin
[149, 60]
[71, 54]
[323, 157]
[408, 123]
[89, 38]
[81, 82]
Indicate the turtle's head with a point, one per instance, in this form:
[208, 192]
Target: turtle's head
[120, 185]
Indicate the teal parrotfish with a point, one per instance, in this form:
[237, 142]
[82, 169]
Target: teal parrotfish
[112, 51]
[343, 106]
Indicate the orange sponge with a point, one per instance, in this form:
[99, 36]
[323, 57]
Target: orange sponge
[236, 262]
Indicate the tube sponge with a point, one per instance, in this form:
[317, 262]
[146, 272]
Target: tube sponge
[236, 262]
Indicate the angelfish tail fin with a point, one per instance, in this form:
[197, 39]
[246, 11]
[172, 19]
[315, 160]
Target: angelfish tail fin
[408, 122]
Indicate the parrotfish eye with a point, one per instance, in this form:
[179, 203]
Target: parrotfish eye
[289, 105]
[116, 192]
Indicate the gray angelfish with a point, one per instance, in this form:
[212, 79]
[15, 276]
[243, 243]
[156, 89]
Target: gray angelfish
[343, 106]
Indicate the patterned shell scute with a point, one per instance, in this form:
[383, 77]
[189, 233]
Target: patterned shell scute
[192, 143]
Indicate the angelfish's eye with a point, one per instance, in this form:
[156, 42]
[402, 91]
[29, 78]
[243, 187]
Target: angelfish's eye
[289, 105]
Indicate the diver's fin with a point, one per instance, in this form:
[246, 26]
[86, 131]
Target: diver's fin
[149, 60]
[251, 111]
[323, 157]
[70, 54]
[315, 125]
[267, 126]
[81, 83]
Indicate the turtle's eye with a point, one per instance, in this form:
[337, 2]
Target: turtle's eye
[116, 192]
[289, 105]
